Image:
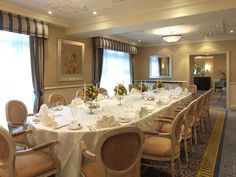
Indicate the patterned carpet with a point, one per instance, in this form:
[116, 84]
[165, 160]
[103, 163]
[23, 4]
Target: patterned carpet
[190, 169]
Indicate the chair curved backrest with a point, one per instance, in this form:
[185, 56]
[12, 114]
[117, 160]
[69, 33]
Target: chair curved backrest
[192, 88]
[7, 151]
[118, 151]
[102, 91]
[16, 114]
[13, 164]
[80, 94]
[191, 112]
[176, 130]
[55, 97]
[16, 111]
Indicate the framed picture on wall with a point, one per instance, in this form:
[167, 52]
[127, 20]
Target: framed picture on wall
[70, 60]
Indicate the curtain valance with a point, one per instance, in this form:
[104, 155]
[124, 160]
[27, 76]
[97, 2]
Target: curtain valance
[103, 42]
[23, 25]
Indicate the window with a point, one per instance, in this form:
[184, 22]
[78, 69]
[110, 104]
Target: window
[15, 71]
[116, 69]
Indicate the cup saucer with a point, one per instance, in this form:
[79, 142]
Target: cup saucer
[74, 126]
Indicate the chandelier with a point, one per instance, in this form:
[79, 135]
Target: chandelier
[171, 38]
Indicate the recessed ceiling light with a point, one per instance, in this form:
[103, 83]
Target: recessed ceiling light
[94, 12]
[49, 12]
[139, 41]
[231, 31]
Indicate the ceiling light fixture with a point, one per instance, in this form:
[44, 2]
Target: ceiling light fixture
[171, 38]
[49, 12]
[94, 13]
[231, 31]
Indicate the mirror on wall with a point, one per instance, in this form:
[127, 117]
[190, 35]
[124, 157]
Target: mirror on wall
[160, 67]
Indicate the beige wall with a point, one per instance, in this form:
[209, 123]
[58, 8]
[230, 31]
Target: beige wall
[51, 82]
[180, 54]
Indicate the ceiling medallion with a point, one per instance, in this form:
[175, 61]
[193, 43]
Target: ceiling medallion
[67, 7]
[171, 38]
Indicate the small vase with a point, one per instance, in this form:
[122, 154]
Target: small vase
[119, 98]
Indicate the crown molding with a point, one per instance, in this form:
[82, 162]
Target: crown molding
[145, 19]
[8, 7]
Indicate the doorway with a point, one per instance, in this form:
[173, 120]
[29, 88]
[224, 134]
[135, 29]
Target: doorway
[210, 70]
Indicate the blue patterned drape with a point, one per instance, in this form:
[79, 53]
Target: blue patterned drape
[23, 25]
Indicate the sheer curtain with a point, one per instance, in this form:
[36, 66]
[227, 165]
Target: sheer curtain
[154, 67]
[15, 71]
[116, 69]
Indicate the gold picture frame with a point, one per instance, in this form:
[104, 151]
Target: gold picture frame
[70, 60]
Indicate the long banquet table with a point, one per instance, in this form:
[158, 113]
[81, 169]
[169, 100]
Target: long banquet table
[68, 149]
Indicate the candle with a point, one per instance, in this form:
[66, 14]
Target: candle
[84, 90]
[117, 89]
[96, 86]
[141, 86]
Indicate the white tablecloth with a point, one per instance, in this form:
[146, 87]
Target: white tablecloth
[68, 149]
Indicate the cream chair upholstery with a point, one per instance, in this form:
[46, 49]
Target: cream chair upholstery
[55, 98]
[165, 146]
[192, 88]
[118, 154]
[102, 91]
[32, 162]
[16, 114]
[186, 128]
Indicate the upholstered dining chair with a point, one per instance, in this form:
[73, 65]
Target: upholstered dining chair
[16, 114]
[207, 104]
[80, 94]
[31, 162]
[118, 153]
[192, 88]
[102, 91]
[186, 128]
[21, 139]
[165, 146]
[55, 98]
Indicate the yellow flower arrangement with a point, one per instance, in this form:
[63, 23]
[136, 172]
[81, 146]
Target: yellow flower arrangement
[143, 88]
[159, 84]
[121, 90]
[91, 92]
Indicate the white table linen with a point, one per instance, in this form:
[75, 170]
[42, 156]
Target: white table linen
[68, 149]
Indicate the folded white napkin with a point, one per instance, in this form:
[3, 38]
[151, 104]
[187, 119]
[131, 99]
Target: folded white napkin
[100, 97]
[76, 101]
[45, 117]
[134, 91]
[107, 120]
[142, 111]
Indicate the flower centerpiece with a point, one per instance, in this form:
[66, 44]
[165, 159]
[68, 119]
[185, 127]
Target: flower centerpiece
[159, 84]
[120, 90]
[143, 88]
[91, 92]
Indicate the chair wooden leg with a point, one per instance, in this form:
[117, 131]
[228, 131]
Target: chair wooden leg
[195, 135]
[172, 166]
[202, 125]
[186, 149]
[179, 162]
[191, 144]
